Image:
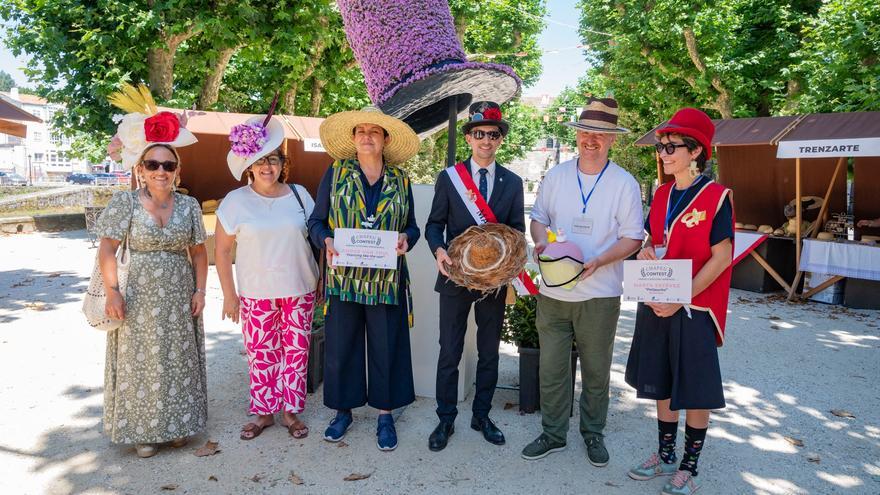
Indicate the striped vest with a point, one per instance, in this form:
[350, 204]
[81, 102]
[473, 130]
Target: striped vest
[348, 210]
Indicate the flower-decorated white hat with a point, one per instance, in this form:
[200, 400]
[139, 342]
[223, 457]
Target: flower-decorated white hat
[253, 140]
[143, 125]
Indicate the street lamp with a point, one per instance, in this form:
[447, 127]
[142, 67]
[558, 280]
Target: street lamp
[30, 174]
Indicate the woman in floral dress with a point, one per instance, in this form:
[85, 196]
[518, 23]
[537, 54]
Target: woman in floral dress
[154, 382]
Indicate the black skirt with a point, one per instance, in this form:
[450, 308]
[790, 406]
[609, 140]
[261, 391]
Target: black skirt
[675, 358]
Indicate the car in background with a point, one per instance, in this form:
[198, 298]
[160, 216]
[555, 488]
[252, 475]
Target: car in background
[12, 179]
[106, 179]
[81, 179]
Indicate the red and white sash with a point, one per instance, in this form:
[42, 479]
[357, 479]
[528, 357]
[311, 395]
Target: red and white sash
[480, 211]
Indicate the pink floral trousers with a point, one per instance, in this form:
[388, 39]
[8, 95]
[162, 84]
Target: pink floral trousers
[276, 337]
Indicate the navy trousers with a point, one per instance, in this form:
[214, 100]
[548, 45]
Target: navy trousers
[362, 338]
[489, 315]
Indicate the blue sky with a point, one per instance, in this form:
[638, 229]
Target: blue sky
[563, 62]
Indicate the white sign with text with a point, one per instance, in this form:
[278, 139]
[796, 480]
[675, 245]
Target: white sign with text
[313, 144]
[667, 281]
[365, 248]
[829, 148]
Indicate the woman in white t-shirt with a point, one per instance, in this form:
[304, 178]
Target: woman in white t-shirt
[275, 272]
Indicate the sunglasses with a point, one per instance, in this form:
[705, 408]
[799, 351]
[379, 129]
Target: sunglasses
[669, 148]
[153, 165]
[493, 135]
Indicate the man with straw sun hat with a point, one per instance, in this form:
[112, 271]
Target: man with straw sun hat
[366, 189]
[598, 206]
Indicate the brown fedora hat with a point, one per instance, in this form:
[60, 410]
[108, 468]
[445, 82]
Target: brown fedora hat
[600, 115]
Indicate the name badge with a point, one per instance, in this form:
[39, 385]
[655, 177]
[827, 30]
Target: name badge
[582, 225]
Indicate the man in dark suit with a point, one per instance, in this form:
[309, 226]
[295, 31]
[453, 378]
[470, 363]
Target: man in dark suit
[450, 216]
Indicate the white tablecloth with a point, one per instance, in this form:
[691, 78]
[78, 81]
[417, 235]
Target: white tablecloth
[847, 259]
[744, 243]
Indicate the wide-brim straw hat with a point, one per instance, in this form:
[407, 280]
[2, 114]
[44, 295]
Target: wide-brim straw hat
[487, 257]
[238, 164]
[338, 139]
[600, 116]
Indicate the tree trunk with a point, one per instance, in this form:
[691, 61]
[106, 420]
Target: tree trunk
[160, 61]
[290, 95]
[317, 96]
[290, 99]
[211, 86]
[724, 101]
[161, 71]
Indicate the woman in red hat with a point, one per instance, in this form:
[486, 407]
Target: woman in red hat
[673, 359]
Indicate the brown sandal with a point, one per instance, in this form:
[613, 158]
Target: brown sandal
[254, 429]
[298, 429]
[179, 442]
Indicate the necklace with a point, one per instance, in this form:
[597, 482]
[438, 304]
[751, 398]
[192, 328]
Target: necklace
[161, 206]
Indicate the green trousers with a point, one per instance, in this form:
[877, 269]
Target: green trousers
[592, 324]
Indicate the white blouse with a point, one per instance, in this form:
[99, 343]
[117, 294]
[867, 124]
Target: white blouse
[273, 257]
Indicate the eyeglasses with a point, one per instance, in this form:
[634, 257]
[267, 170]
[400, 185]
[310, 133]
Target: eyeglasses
[493, 135]
[273, 160]
[669, 148]
[153, 165]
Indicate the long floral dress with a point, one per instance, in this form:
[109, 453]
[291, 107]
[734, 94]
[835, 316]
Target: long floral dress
[154, 380]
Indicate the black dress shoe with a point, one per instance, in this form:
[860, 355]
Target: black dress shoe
[490, 432]
[440, 436]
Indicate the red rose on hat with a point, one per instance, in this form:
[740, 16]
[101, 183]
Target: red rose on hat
[492, 114]
[162, 127]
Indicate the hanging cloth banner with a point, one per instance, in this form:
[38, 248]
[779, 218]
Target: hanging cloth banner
[829, 148]
[480, 211]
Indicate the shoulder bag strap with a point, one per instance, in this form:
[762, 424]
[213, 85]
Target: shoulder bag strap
[299, 200]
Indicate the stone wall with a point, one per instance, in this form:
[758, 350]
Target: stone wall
[82, 196]
[43, 223]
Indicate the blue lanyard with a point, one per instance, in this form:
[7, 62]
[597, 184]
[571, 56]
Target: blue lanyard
[677, 202]
[586, 199]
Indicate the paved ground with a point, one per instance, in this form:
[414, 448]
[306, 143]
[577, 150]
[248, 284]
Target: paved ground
[785, 368]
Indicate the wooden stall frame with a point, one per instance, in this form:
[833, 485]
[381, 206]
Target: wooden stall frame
[814, 230]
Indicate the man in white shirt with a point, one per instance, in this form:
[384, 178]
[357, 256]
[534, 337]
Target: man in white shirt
[598, 205]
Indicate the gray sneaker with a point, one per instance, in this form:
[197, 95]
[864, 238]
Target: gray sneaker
[652, 468]
[596, 451]
[541, 447]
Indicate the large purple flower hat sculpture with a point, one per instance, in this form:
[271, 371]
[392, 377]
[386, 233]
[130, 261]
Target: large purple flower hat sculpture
[413, 62]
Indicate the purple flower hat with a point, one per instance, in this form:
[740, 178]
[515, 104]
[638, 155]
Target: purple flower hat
[413, 62]
[253, 140]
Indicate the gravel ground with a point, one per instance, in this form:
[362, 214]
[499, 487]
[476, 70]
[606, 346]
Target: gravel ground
[785, 366]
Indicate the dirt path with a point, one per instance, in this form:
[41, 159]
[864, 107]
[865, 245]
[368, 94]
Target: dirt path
[786, 367]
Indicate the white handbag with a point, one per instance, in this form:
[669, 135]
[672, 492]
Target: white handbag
[95, 300]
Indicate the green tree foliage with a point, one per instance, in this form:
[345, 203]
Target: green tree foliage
[526, 129]
[840, 64]
[502, 31]
[736, 58]
[6, 81]
[224, 54]
[730, 58]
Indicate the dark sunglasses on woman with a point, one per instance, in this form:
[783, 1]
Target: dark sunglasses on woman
[669, 148]
[153, 165]
[493, 135]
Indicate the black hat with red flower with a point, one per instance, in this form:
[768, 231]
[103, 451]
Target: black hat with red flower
[485, 113]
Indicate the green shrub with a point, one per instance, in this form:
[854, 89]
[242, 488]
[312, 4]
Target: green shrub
[519, 320]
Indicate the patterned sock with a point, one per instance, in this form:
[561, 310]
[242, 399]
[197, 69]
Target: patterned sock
[693, 444]
[666, 431]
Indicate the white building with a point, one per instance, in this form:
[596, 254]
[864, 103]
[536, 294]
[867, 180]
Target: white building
[43, 155]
